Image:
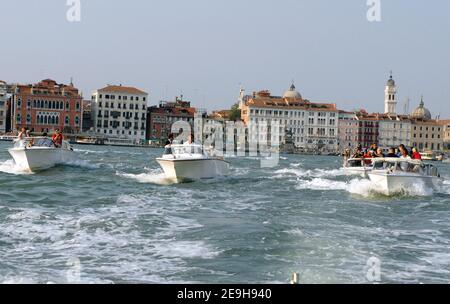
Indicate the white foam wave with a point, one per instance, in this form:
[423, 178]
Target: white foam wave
[11, 167]
[321, 184]
[295, 170]
[445, 188]
[82, 164]
[363, 187]
[184, 249]
[149, 177]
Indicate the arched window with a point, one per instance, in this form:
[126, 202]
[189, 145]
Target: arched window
[67, 105]
[57, 120]
[61, 105]
[46, 104]
[53, 120]
[34, 103]
[67, 121]
[28, 118]
[18, 118]
[45, 119]
[77, 120]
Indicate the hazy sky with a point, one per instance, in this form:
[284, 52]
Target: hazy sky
[206, 48]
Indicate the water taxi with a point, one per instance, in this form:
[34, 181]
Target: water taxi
[397, 175]
[191, 162]
[39, 153]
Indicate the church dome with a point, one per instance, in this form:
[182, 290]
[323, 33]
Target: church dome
[292, 93]
[421, 112]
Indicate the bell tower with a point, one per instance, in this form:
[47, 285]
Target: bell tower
[390, 97]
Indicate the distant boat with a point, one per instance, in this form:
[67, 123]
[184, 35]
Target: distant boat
[428, 155]
[191, 162]
[395, 175]
[39, 153]
[7, 138]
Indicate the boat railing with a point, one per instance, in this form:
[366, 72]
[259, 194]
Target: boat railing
[398, 165]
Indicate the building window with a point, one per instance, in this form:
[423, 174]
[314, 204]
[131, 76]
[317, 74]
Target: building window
[67, 106]
[67, 120]
[77, 120]
[78, 106]
[18, 118]
[28, 118]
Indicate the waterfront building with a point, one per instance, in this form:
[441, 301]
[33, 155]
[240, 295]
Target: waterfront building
[394, 130]
[347, 130]
[46, 106]
[427, 134]
[313, 127]
[358, 128]
[88, 119]
[446, 131]
[120, 113]
[161, 118]
[3, 106]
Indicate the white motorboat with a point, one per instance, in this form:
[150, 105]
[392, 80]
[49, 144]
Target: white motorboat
[358, 166]
[39, 153]
[397, 175]
[191, 162]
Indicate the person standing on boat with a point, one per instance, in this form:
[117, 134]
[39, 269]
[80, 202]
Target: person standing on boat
[58, 138]
[416, 154]
[22, 134]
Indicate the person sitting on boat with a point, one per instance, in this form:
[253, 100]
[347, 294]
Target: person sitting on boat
[58, 138]
[358, 152]
[416, 154]
[391, 153]
[378, 153]
[367, 157]
[168, 144]
[374, 148]
[30, 143]
[403, 152]
[190, 140]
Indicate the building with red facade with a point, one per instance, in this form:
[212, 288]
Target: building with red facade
[47, 106]
[358, 128]
[161, 118]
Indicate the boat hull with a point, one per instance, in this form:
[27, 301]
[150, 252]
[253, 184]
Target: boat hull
[391, 184]
[38, 159]
[361, 171]
[193, 169]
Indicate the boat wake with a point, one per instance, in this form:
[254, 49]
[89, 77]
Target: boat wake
[152, 177]
[81, 163]
[11, 167]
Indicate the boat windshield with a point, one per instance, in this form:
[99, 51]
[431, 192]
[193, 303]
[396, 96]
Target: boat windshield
[186, 149]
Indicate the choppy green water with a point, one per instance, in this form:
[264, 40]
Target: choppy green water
[112, 217]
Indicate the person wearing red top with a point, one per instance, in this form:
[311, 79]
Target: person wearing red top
[416, 155]
[58, 138]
